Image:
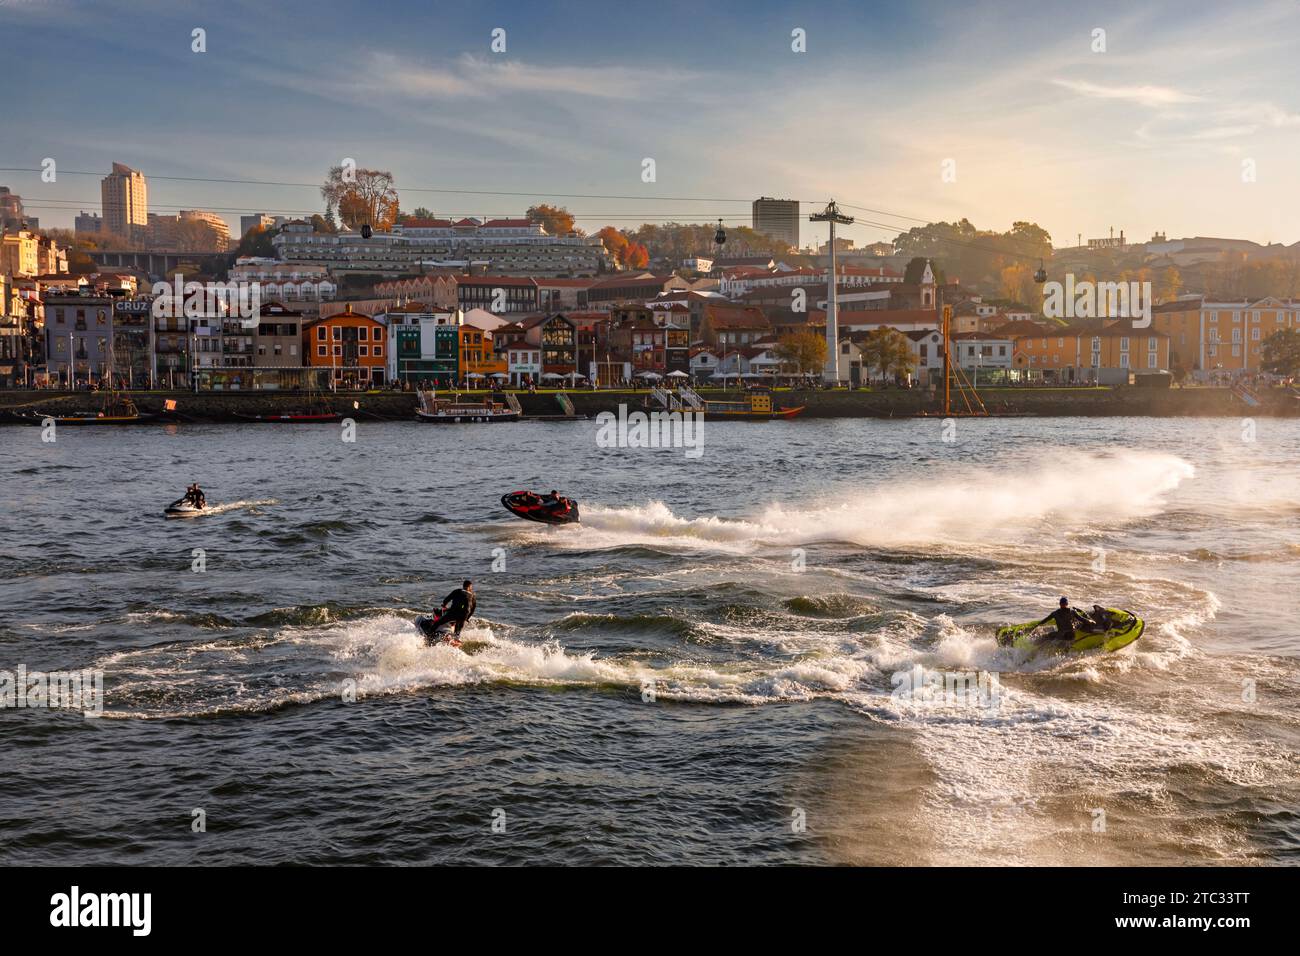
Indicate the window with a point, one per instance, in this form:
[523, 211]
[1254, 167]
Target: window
[1151, 360]
[1123, 361]
[320, 333]
[1153, 342]
[338, 350]
[362, 333]
[379, 351]
[1123, 343]
[337, 335]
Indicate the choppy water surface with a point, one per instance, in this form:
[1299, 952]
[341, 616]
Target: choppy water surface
[772, 686]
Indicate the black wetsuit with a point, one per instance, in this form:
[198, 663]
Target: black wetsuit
[1064, 618]
[460, 605]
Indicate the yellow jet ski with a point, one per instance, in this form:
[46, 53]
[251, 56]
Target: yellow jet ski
[1118, 628]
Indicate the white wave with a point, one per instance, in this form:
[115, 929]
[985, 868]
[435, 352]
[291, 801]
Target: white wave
[1078, 491]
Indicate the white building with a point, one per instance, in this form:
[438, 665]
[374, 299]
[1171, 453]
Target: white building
[523, 363]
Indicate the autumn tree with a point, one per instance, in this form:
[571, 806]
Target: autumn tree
[627, 252]
[1171, 283]
[804, 351]
[361, 197]
[886, 350]
[556, 220]
[1281, 353]
[257, 242]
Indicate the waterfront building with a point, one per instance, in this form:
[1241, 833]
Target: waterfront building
[1102, 354]
[703, 362]
[926, 346]
[78, 337]
[353, 345]
[977, 353]
[426, 344]
[477, 360]
[1211, 338]
[277, 342]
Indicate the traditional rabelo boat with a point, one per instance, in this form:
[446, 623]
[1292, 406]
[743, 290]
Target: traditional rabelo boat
[455, 410]
[759, 406]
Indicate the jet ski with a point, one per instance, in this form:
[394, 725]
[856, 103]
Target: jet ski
[435, 633]
[185, 508]
[1111, 629]
[543, 508]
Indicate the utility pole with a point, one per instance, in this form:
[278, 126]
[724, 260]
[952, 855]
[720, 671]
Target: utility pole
[831, 214]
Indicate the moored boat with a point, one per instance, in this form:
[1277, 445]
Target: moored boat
[759, 406]
[116, 411]
[454, 410]
[293, 417]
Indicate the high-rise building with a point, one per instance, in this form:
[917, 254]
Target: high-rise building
[11, 210]
[125, 198]
[258, 220]
[777, 218]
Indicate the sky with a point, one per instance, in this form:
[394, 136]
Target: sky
[1182, 117]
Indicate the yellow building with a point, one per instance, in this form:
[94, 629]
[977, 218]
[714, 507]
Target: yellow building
[1209, 338]
[477, 356]
[20, 253]
[1104, 355]
[125, 197]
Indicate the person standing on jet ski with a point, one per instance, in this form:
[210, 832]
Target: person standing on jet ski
[1065, 618]
[458, 606]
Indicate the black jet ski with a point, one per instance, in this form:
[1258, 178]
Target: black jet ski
[185, 508]
[435, 632]
[543, 508]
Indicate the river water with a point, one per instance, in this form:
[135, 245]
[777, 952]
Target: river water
[703, 671]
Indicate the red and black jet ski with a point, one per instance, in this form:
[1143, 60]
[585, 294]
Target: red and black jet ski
[543, 508]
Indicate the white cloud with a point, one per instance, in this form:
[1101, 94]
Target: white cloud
[1145, 95]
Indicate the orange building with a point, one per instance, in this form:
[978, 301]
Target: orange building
[1090, 354]
[354, 345]
[477, 355]
[1212, 338]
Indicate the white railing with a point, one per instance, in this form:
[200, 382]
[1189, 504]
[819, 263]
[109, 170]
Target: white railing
[665, 398]
[690, 397]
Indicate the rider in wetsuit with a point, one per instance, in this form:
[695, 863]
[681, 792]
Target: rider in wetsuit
[458, 606]
[1065, 618]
